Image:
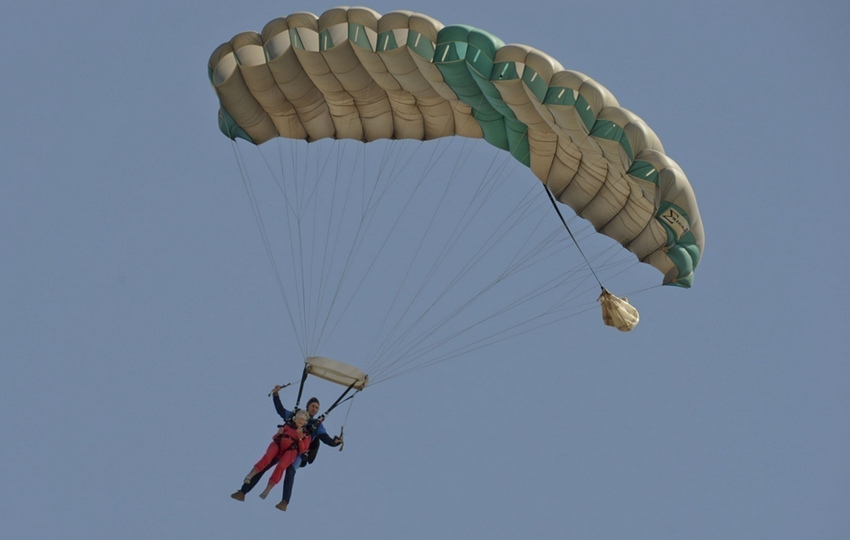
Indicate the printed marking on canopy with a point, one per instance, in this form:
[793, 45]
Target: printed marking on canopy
[676, 221]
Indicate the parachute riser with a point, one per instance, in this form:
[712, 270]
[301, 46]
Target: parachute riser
[301, 387]
[340, 399]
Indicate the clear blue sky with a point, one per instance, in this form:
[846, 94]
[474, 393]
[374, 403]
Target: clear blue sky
[141, 327]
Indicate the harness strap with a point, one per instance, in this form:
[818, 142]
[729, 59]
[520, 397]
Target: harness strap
[295, 441]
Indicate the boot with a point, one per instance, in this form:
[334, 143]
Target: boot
[281, 505]
[239, 496]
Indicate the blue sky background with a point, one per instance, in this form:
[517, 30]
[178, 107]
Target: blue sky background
[141, 328]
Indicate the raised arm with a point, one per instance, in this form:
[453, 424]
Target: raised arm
[278, 406]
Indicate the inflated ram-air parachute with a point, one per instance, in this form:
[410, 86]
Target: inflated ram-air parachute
[354, 74]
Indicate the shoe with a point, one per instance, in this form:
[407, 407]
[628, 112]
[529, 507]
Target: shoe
[281, 505]
[239, 496]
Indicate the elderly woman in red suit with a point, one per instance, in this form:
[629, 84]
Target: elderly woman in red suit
[290, 441]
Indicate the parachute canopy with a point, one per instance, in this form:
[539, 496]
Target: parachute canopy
[354, 74]
[336, 372]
